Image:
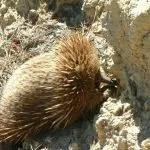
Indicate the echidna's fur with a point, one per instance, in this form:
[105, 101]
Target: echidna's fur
[51, 90]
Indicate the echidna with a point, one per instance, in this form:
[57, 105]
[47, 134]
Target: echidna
[51, 90]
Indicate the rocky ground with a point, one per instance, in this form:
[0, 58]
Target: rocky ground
[120, 30]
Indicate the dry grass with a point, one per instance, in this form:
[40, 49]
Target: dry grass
[21, 42]
[12, 55]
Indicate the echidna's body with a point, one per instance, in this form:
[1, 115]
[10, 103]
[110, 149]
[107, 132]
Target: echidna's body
[51, 90]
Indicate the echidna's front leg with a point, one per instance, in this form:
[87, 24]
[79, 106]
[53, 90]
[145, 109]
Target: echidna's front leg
[108, 82]
[106, 79]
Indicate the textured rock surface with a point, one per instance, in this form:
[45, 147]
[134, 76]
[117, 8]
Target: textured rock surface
[124, 123]
[121, 32]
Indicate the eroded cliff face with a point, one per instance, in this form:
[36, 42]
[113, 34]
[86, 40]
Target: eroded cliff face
[120, 29]
[125, 26]
[124, 123]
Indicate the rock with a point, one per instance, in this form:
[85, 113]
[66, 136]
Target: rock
[24, 6]
[33, 16]
[124, 26]
[3, 9]
[116, 110]
[128, 139]
[9, 19]
[145, 145]
[147, 105]
[89, 9]
[74, 146]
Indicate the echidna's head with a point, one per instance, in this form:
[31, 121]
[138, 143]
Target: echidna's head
[77, 64]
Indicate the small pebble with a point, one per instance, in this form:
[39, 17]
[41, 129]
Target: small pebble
[33, 16]
[3, 9]
[145, 145]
